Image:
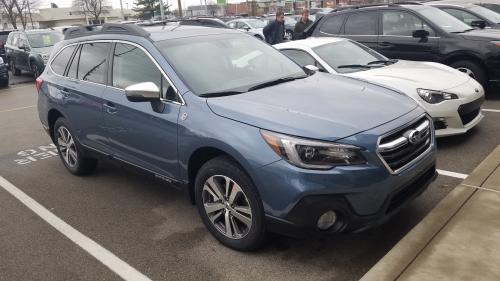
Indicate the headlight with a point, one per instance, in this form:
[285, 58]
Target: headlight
[433, 97]
[311, 154]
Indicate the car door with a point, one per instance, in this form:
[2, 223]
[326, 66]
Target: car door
[362, 27]
[141, 133]
[396, 40]
[82, 92]
[22, 58]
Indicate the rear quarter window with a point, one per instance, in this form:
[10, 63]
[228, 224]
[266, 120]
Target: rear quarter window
[59, 63]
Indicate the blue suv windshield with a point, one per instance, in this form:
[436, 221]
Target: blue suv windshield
[229, 62]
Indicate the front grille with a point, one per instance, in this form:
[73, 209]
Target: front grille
[399, 148]
[470, 110]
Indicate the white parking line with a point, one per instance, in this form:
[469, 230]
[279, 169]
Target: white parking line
[17, 108]
[491, 110]
[452, 174]
[107, 258]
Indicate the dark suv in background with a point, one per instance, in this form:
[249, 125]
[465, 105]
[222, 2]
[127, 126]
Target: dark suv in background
[30, 50]
[3, 39]
[417, 32]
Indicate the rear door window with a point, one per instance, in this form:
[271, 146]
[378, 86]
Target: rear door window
[332, 25]
[59, 63]
[364, 23]
[93, 67]
[73, 69]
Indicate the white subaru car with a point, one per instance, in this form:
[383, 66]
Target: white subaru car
[451, 97]
[252, 26]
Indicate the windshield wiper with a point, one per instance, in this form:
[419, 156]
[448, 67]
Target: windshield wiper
[220, 94]
[386, 62]
[463, 31]
[353, 66]
[274, 82]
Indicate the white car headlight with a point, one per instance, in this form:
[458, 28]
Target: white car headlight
[312, 154]
[434, 97]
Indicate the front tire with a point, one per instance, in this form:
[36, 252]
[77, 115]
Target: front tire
[229, 204]
[35, 70]
[70, 151]
[472, 69]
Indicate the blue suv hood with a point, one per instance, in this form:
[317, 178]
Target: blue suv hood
[322, 106]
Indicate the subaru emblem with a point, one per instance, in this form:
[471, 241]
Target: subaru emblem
[414, 137]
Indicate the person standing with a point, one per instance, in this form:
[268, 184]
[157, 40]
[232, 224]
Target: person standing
[275, 30]
[301, 25]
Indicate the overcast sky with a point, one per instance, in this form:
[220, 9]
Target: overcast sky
[116, 3]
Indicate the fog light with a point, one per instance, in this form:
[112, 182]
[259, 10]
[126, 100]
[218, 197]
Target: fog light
[327, 220]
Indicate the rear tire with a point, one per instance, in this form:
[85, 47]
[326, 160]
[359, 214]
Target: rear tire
[229, 204]
[472, 69]
[70, 150]
[4, 83]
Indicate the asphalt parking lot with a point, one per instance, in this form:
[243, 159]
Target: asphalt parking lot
[156, 231]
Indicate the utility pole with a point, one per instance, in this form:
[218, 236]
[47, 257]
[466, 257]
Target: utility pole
[180, 8]
[29, 11]
[121, 9]
[162, 11]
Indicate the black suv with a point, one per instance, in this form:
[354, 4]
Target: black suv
[3, 39]
[417, 32]
[30, 50]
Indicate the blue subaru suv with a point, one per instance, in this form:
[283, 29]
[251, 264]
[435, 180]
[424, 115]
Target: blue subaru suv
[261, 144]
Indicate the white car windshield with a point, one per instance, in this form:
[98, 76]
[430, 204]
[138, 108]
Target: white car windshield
[442, 19]
[486, 13]
[226, 62]
[348, 56]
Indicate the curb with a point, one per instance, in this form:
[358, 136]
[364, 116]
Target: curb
[401, 256]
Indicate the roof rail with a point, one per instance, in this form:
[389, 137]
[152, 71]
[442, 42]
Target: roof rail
[353, 7]
[107, 28]
[406, 3]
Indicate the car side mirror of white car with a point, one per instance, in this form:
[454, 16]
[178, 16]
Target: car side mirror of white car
[310, 69]
[142, 92]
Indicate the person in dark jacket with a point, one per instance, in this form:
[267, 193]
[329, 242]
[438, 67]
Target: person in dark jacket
[301, 25]
[275, 30]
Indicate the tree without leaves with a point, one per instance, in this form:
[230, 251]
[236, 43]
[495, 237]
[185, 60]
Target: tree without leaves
[91, 8]
[8, 8]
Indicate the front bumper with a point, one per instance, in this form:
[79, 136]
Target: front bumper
[301, 221]
[454, 117]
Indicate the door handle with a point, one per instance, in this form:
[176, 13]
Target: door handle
[110, 108]
[386, 45]
[65, 93]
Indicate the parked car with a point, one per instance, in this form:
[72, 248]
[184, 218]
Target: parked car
[420, 33]
[4, 74]
[470, 14]
[491, 6]
[30, 50]
[208, 22]
[3, 39]
[260, 143]
[252, 26]
[452, 98]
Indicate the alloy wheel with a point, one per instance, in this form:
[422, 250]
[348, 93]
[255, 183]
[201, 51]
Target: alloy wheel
[67, 146]
[467, 71]
[227, 206]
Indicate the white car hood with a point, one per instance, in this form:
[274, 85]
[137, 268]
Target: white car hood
[426, 75]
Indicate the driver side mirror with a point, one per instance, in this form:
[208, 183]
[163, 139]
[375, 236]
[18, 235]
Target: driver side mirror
[142, 92]
[310, 69]
[246, 28]
[420, 33]
[478, 24]
[23, 47]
